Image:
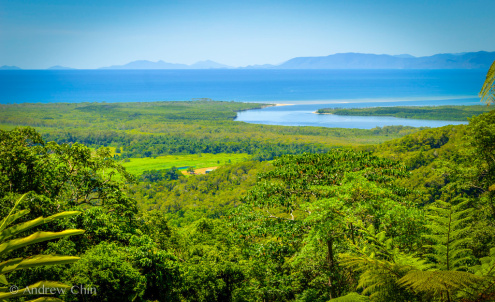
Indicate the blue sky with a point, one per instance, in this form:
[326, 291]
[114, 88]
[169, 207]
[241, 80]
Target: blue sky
[91, 34]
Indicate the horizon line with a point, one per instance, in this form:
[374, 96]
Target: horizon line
[119, 67]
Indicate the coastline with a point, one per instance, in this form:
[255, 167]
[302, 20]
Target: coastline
[275, 105]
[440, 113]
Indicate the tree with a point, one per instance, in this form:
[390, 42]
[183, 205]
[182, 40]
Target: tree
[213, 269]
[152, 176]
[305, 208]
[447, 240]
[380, 265]
[70, 177]
[487, 92]
[106, 268]
[445, 273]
[482, 133]
[66, 177]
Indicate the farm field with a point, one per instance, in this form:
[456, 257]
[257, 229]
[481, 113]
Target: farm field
[137, 166]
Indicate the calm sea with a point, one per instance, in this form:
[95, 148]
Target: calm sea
[306, 90]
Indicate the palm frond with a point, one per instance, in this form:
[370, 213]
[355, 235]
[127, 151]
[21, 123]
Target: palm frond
[487, 93]
[7, 246]
[33, 287]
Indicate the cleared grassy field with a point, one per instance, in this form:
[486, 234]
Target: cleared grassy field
[138, 165]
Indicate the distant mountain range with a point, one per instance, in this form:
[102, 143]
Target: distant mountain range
[58, 67]
[6, 67]
[470, 60]
[143, 64]
[466, 60]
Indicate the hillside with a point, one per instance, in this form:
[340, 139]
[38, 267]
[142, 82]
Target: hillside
[471, 60]
[315, 215]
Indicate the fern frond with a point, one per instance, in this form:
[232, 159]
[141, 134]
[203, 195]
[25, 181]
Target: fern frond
[352, 297]
[449, 234]
[436, 282]
[486, 270]
[379, 277]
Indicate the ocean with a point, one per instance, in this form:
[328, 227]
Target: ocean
[305, 90]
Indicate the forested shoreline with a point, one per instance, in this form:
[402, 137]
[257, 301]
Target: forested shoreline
[445, 113]
[163, 128]
[314, 214]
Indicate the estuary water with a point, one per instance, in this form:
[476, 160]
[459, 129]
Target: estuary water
[303, 113]
[306, 90]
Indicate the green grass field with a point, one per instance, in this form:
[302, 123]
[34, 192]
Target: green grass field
[137, 166]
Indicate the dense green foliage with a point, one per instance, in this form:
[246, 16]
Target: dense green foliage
[212, 195]
[299, 216]
[161, 128]
[447, 113]
[411, 219]
[310, 227]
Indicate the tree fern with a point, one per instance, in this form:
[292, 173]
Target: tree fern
[485, 290]
[441, 285]
[381, 266]
[352, 297]
[448, 237]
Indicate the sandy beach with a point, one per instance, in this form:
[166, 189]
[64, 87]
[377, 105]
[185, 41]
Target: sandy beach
[276, 105]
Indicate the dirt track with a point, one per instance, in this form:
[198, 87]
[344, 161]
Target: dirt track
[199, 171]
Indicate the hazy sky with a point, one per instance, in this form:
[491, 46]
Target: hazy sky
[95, 33]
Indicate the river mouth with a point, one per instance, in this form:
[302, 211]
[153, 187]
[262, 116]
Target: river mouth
[303, 114]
